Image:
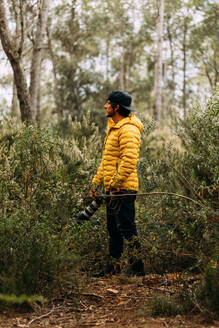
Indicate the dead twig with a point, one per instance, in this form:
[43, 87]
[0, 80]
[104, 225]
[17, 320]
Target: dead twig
[92, 295]
[44, 315]
[84, 306]
[151, 194]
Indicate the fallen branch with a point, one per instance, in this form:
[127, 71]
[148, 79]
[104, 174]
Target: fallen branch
[44, 315]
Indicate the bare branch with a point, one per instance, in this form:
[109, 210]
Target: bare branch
[155, 193]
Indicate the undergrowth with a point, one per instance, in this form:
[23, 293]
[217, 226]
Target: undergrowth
[45, 178]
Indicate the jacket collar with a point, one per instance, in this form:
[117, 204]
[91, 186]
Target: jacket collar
[118, 125]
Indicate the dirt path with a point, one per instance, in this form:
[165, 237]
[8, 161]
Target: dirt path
[110, 302]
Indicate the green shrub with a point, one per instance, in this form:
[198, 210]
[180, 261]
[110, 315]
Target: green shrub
[21, 300]
[166, 305]
[199, 135]
[176, 233]
[43, 179]
[208, 294]
[163, 306]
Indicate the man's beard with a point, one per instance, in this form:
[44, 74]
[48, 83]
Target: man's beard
[110, 114]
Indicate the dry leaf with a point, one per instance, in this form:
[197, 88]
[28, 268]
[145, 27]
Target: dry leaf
[114, 291]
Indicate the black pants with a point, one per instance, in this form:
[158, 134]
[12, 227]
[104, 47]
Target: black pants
[121, 222]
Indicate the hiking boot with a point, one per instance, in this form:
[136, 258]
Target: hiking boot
[136, 269]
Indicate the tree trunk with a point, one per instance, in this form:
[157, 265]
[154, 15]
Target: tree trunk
[185, 29]
[54, 70]
[172, 57]
[208, 74]
[215, 63]
[165, 109]
[128, 64]
[39, 96]
[14, 103]
[127, 72]
[158, 63]
[121, 77]
[107, 58]
[37, 54]
[15, 61]
[52, 56]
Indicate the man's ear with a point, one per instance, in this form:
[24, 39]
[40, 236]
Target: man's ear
[117, 107]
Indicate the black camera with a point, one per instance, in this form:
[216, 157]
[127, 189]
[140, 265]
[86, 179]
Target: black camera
[86, 214]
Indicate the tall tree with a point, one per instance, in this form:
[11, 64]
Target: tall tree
[184, 50]
[204, 42]
[14, 55]
[72, 47]
[171, 25]
[35, 74]
[14, 45]
[158, 62]
[14, 103]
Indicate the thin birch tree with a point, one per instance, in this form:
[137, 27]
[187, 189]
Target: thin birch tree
[158, 62]
[43, 6]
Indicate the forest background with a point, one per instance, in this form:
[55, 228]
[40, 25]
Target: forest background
[59, 61]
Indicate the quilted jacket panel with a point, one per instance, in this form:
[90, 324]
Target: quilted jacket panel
[118, 168]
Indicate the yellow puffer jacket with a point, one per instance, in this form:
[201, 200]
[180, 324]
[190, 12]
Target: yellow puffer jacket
[118, 168]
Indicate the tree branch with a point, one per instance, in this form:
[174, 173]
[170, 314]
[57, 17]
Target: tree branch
[155, 193]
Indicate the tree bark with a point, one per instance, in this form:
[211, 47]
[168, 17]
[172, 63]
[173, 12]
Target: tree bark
[54, 70]
[14, 103]
[215, 62]
[107, 58]
[121, 76]
[165, 103]
[37, 55]
[39, 96]
[158, 63]
[52, 56]
[185, 29]
[208, 74]
[128, 64]
[14, 57]
[171, 56]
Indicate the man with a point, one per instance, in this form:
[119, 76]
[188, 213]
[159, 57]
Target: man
[119, 174]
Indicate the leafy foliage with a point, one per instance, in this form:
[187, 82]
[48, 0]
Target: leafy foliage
[42, 178]
[45, 177]
[180, 234]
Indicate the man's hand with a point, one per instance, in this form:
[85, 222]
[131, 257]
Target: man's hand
[93, 193]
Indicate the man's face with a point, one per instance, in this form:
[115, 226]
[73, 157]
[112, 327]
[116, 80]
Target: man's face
[110, 112]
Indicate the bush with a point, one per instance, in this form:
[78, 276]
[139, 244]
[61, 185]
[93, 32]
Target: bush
[180, 234]
[208, 293]
[43, 178]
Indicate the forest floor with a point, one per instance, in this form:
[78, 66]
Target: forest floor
[111, 302]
